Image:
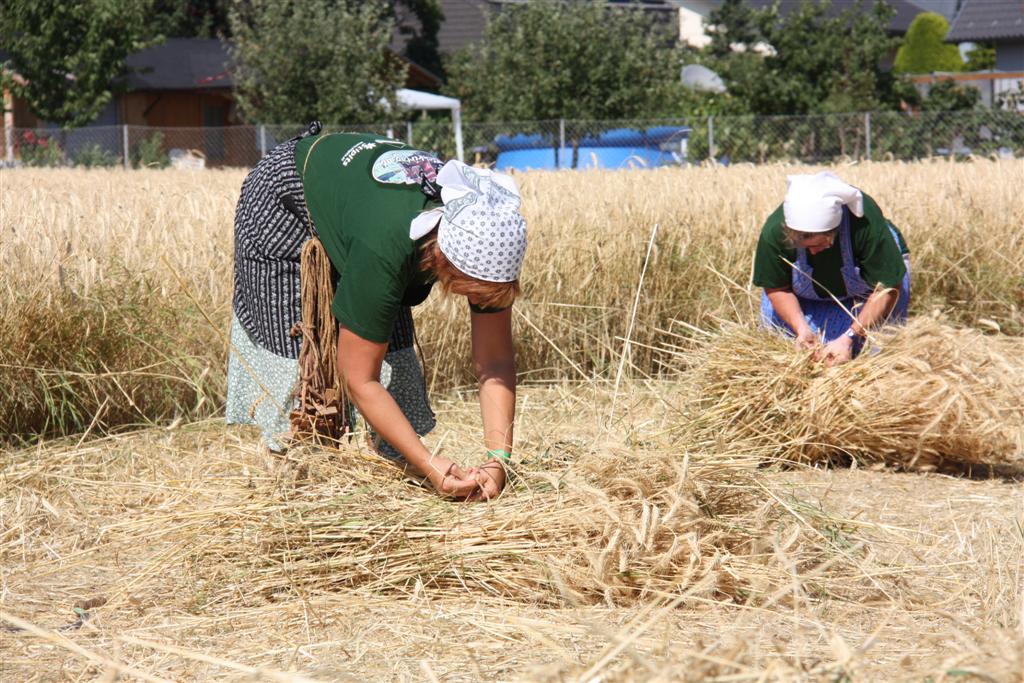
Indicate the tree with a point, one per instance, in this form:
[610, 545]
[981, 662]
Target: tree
[806, 62]
[924, 50]
[191, 18]
[546, 59]
[298, 60]
[65, 55]
[418, 23]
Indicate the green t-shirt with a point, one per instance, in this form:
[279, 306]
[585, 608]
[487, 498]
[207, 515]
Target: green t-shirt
[878, 256]
[363, 223]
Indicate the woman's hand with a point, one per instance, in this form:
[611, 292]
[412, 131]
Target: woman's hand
[787, 307]
[836, 352]
[490, 478]
[806, 339]
[449, 479]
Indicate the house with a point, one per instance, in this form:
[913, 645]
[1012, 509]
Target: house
[946, 8]
[183, 86]
[1001, 23]
[694, 14]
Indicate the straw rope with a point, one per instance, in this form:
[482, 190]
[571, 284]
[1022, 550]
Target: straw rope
[322, 410]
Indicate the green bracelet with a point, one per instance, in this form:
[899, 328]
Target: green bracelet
[502, 454]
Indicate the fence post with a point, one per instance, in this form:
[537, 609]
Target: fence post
[124, 145]
[561, 142]
[711, 138]
[408, 133]
[8, 125]
[867, 135]
[263, 141]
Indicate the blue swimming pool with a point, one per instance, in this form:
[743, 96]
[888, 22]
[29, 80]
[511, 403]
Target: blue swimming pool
[616, 148]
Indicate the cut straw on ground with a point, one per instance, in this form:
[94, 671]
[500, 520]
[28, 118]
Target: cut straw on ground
[923, 396]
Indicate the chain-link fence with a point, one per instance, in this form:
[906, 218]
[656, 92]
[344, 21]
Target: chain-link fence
[559, 143]
[154, 147]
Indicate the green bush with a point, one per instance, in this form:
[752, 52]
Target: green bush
[95, 156]
[923, 50]
[947, 95]
[981, 58]
[149, 152]
[39, 150]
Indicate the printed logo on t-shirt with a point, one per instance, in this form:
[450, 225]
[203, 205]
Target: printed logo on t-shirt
[404, 167]
[355, 149]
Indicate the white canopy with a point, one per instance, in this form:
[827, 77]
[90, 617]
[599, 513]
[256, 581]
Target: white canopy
[416, 99]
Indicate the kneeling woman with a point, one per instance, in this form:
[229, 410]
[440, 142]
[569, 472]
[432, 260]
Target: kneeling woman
[391, 225]
[832, 267]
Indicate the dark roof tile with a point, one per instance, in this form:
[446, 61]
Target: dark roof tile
[900, 22]
[988, 20]
[181, 64]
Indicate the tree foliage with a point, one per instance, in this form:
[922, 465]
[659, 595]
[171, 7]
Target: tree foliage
[191, 18]
[924, 50]
[805, 62]
[64, 56]
[981, 58]
[297, 60]
[546, 59]
[418, 22]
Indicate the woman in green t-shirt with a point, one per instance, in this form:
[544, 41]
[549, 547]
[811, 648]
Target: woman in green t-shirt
[392, 225]
[831, 266]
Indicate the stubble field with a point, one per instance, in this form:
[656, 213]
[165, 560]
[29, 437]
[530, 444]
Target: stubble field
[654, 530]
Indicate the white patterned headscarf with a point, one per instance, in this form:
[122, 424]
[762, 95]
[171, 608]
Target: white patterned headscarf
[814, 203]
[481, 232]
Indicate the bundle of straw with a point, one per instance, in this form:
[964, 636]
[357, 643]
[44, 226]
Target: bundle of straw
[610, 527]
[322, 410]
[924, 396]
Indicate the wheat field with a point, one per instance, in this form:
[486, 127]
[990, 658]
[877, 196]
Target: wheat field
[117, 285]
[639, 539]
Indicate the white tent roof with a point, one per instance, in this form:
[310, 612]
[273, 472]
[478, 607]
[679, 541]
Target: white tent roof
[417, 99]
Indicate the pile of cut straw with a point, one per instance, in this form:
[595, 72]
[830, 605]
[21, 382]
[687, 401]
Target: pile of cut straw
[924, 396]
[611, 526]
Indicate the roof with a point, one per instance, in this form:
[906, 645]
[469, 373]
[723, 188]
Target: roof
[177, 64]
[988, 20]
[946, 8]
[465, 20]
[205, 64]
[898, 24]
[416, 99]
[181, 64]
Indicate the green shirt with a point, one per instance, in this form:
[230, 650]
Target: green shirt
[363, 223]
[878, 256]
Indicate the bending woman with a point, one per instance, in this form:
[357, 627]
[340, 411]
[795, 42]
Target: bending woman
[832, 267]
[392, 225]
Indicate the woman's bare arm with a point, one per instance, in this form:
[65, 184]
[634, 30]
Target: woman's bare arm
[787, 306]
[359, 363]
[495, 364]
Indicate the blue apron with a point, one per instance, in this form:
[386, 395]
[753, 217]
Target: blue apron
[827, 318]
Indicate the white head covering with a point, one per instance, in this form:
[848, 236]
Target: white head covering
[481, 232]
[814, 203]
